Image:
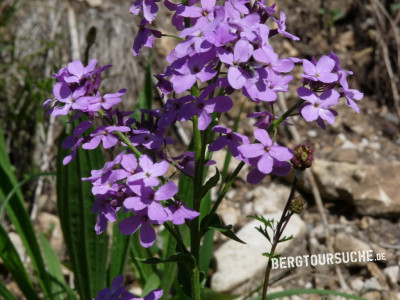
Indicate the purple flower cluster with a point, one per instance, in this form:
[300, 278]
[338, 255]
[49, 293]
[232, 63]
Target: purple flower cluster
[118, 292]
[128, 182]
[321, 78]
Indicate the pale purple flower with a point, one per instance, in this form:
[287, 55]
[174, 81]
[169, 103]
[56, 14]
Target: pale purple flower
[106, 102]
[64, 95]
[148, 7]
[148, 171]
[266, 151]
[178, 212]
[317, 107]
[74, 141]
[351, 95]
[322, 71]
[105, 135]
[106, 212]
[268, 56]
[148, 198]
[78, 72]
[231, 139]
[282, 27]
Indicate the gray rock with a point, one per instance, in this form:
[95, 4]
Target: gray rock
[371, 188]
[392, 275]
[348, 243]
[237, 263]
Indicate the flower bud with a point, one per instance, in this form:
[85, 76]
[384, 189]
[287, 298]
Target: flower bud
[297, 205]
[303, 156]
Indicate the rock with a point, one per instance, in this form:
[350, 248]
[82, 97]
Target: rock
[233, 256]
[346, 155]
[392, 275]
[371, 188]
[18, 244]
[50, 224]
[269, 199]
[378, 274]
[372, 284]
[373, 295]
[348, 243]
[357, 284]
[94, 3]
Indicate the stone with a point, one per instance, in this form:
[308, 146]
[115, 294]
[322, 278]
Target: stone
[270, 199]
[357, 284]
[348, 243]
[233, 256]
[392, 275]
[50, 224]
[375, 271]
[346, 155]
[372, 284]
[373, 295]
[371, 188]
[94, 3]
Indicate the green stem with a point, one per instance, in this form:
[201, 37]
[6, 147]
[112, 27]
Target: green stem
[177, 237]
[276, 123]
[195, 282]
[227, 185]
[173, 36]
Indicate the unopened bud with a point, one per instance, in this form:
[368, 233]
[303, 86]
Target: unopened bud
[303, 156]
[297, 205]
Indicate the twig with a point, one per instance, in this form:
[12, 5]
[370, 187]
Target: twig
[316, 194]
[73, 32]
[376, 4]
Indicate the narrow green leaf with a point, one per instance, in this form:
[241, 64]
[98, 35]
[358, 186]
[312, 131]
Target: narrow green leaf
[287, 293]
[170, 270]
[119, 251]
[19, 217]
[152, 283]
[179, 257]
[60, 289]
[145, 100]
[213, 181]
[209, 294]
[14, 265]
[87, 251]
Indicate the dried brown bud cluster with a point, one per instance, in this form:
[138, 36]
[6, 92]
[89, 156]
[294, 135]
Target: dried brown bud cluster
[303, 156]
[297, 205]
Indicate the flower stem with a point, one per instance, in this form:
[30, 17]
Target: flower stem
[276, 123]
[279, 230]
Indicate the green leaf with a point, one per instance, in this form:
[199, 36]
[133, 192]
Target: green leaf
[209, 294]
[212, 221]
[14, 265]
[152, 283]
[87, 251]
[145, 100]
[19, 217]
[5, 293]
[287, 293]
[170, 270]
[119, 250]
[286, 238]
[178, 258]
[59, 287]
[213, 181]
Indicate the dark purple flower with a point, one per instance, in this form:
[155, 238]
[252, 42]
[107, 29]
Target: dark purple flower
[145, 37]
[231, 139]
[64, 95]
[74, 141]
[116, 292]
[140, 220]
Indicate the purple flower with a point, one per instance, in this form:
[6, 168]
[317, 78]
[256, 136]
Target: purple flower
[153, 295]
[77, 71]
[149, 8]
[320, 71]
[116, 292]
[148, 171]
[231, 139]
[351, 95]
[148, 198]
[106, 212]
[95, 103]
[144, 38]
[282, 27]
[74, 141]
[105, 135]
[203, 108]
[178, 212]
[188, 69]
[266, 151]
[269, 57]
[140, 220]
[317, 107]
[65, 96]
[176, 110]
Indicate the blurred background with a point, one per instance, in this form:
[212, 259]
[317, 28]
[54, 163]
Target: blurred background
[357, 171]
